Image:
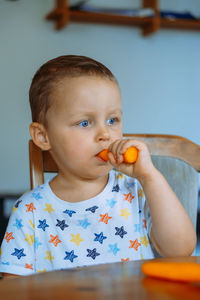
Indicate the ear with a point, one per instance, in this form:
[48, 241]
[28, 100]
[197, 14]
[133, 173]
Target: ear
[39, 135]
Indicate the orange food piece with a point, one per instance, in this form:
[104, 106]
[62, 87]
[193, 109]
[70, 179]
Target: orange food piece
[130, 156]
[174, 271]
[104, 154]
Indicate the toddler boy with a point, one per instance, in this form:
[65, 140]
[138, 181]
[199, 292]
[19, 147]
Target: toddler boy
[92, 211]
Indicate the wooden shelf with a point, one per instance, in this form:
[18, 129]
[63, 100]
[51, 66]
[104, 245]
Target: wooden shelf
[62, 15]
[180, 24]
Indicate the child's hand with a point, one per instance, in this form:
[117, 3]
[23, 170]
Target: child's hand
[139, 169]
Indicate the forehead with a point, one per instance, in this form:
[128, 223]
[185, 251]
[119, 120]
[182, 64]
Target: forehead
[82, 93]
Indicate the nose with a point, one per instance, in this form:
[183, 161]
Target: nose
[102, 134]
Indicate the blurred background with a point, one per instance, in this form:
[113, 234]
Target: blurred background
[158, 75]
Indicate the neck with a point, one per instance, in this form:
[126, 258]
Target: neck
[76, 190]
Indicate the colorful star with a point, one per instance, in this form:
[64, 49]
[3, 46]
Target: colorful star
[70, 256]
[69, 212]
[119, 176]
[18, 253]
[37, 243]
[144, 241]
[84, 223]
[31, 224]
[37, 196]
[111, 202]
[92, 209]
[128, 197]
[49, 208]
[120, 231]
[113, 248]
[137, 227]
[30, 207]
[140, 193]
[17, 203]
[130, 184]
[27, 266]
[124, 213]
[116, 188]
[61, 224]
[144, 223]
[43, 224]
[125, 259]
[54, 240]
[100, 237]
[135, 244]
[30, 239]
[9, 236]
[76, 239]
[92, 253]
[49, 256]
[105, 218]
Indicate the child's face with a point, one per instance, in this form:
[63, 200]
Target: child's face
[84, 119]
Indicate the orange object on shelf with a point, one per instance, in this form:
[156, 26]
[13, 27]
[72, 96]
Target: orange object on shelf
[130, 156]
[174, 271]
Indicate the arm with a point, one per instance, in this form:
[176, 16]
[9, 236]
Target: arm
[172, 230]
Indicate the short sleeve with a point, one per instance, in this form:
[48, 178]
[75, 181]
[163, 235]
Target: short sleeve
[17, 249]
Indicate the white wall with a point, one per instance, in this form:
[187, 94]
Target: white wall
[159, 75]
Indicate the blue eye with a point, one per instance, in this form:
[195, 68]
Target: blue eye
[84, 123]
[111, 121]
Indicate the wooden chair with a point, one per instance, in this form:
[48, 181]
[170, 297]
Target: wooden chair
[177, 158]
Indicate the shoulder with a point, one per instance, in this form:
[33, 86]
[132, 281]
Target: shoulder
[29, 200]
[123, 181]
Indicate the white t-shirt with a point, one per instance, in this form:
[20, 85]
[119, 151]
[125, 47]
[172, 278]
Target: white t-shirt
[45, 233]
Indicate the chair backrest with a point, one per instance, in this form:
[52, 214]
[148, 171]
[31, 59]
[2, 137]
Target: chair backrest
[177, 158]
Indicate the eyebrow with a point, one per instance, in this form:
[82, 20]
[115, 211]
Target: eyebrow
[84, 112]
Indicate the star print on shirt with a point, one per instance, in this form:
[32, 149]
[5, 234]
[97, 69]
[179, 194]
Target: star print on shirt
[144, 241]
[120, 231]
[99, 237]
[124, 213]
[137, 227]
[37, 243]
[92, 253]
[111, 202]
[30, 207]
[37, 196]
[69, 212]
[61, 224]
[43, 224]
[54, 240]
[70, 256]
[113, 249]
[105, 218]
[116, 188]
[49, 208]
[84, 223]
[92, 209]
[128, 197]
[140, 193]
[134, 244]
[49, 256]
[30, 239]
[76, 239]
[17, 203]
[27, 266]
[9, 236]
[19, 253]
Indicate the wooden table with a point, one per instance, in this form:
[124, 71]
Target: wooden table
[111, 281]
